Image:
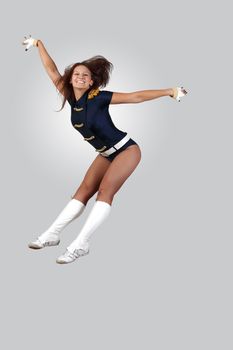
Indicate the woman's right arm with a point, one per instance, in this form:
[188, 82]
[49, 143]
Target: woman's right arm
[45, 58]
[50, 66]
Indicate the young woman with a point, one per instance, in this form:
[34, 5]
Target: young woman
[118, 155]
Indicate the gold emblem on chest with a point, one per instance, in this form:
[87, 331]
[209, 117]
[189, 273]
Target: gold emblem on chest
[93, 93]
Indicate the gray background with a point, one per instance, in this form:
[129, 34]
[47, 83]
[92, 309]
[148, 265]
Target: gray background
[159, 275]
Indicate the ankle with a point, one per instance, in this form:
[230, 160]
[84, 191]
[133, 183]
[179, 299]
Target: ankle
[78, 244]
[49, 235]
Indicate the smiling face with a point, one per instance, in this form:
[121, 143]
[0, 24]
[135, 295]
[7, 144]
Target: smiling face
[81, 78]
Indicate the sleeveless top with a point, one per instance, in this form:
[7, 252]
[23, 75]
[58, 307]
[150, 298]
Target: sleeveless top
[90, 116]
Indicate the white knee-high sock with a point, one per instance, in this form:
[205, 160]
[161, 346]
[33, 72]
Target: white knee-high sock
[98, 214]
[72, 210]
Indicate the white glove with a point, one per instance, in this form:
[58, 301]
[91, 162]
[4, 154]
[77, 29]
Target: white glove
[178, 92]
[29, 42]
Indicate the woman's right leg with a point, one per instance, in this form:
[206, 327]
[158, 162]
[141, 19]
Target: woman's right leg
[76, 205]
[92, 179]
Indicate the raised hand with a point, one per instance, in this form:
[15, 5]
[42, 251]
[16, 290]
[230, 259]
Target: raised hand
[178, 92]
[29, 42]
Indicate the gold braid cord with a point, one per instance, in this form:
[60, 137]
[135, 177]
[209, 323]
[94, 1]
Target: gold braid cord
[93, 93]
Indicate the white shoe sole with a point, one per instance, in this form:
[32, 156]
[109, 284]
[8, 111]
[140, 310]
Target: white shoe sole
[43, 245]
[60, 261]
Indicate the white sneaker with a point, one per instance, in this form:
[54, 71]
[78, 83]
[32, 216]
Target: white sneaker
[69, 257]
[52, 240]
[50, 237]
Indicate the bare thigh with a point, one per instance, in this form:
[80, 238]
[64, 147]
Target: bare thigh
[90, 184]
[117, 173]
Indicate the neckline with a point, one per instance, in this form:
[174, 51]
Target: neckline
[88, 94]
[80, 98]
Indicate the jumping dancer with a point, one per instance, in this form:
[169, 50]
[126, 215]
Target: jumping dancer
[118, 155]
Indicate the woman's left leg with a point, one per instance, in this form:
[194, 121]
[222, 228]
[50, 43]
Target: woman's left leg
[118, 172]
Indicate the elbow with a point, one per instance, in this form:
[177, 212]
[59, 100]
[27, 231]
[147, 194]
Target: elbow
[138, 98]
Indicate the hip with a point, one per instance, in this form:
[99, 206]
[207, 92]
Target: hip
[130, 142]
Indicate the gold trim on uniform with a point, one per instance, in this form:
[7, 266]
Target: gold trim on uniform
[89, 138]
[78, 109]
[78, 125]
[93, 93]
[101, 149]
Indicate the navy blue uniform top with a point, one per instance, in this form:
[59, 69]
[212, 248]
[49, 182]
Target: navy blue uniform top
[90, 116]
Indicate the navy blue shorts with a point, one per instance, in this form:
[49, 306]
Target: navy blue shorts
[127, 144]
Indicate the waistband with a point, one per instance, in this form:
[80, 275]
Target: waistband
[117, 146]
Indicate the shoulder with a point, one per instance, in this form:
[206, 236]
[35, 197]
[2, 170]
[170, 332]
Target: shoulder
[110, 97]
[100, 95]
[92, 93]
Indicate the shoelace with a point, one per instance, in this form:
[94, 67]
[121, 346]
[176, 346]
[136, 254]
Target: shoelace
[80, 252]
[46, 243]
[68, 254]
[75, 254]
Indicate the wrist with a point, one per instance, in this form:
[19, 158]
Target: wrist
[35, 42]
[171, 92]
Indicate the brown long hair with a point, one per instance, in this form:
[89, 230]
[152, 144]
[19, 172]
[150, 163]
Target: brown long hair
[100, 69]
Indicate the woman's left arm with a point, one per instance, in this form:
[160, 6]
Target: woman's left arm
[147, 95]
[139, 96]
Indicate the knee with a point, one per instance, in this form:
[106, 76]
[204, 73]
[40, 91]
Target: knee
[105, 192]
[85, 191]
[87, 188]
